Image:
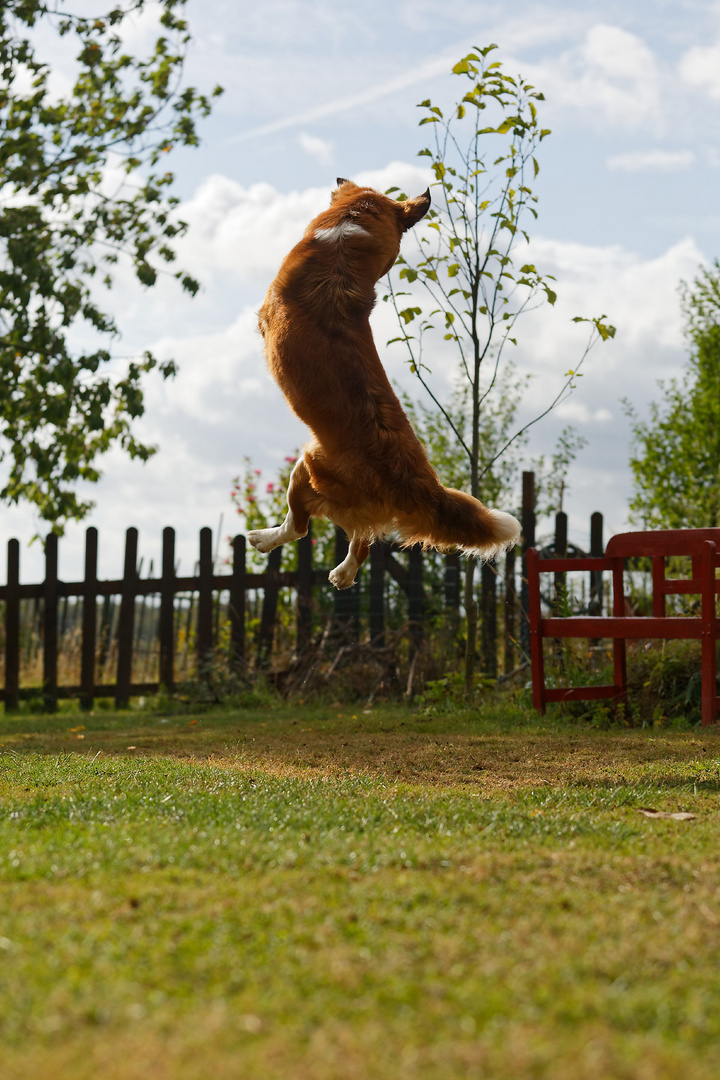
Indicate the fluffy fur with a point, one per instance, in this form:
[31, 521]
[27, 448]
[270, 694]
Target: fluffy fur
[364, 467]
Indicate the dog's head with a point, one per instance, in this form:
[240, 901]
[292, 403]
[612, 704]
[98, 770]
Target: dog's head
[370, 221]
[408, 212]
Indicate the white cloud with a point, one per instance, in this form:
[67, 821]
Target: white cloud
[248, 231]
[700, 66]
[611, 72]
[655, 160]
[320, 149]
[222, 374]
[639, 296]
[578, 412]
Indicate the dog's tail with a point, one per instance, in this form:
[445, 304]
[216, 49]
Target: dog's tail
[453, 519]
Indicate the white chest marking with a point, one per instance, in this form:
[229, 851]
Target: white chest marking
[338, 233]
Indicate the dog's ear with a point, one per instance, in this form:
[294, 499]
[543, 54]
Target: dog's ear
[340, 184]
[413, 209]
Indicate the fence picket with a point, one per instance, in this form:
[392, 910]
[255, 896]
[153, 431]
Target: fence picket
[127, 620]
[238, 586]
[204, 643]
[167, 612]
[12, 627]
[89, 621]
[269, 607]
[377, 595]
[510, 607]
[50, 623]
[304, 590]
[416, 598]
[528, 541]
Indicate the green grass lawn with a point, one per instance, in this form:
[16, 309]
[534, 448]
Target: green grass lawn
[318, 893]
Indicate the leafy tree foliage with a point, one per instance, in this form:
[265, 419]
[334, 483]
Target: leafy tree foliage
[495, 428]
[676, 452]
[473, 291]
[82, 185]
[467, 279]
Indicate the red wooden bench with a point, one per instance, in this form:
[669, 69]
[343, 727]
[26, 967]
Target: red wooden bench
[701, 545]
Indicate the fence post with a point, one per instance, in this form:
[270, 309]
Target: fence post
[304, 590]
[167, 611]
[89, 621]
[528, 541]
[451, 588]
[106, 621]
[488, 628]
[237, 603]
[597, 548]
[50, 623]
[126, 621]
[377, 595]
[269, 608]
[510, 604]
[416, 607]
[204, 616]
[346, 602]
[12, 627]
[560, 551]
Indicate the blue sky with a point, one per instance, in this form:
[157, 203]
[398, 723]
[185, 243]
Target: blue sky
[628, 206]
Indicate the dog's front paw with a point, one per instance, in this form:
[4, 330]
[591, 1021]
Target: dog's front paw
[342, 577]
[263, 540]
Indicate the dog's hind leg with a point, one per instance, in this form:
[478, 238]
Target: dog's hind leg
[296, 523]
[343, 576]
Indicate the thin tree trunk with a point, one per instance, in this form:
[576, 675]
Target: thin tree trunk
[471, 620]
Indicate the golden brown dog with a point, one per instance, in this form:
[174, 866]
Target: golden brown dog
[364, 468]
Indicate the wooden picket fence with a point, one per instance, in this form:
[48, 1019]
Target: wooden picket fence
[203, 592]
[120, 622]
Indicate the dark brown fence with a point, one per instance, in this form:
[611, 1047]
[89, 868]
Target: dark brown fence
[136, 625]
[103, 625]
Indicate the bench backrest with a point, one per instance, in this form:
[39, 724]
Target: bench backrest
[660, 542]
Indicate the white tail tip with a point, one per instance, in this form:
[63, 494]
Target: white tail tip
[507, 534]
